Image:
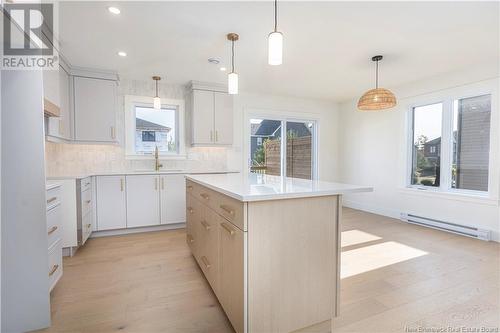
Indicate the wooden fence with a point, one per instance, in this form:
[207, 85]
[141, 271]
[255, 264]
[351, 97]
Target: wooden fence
[298, 157]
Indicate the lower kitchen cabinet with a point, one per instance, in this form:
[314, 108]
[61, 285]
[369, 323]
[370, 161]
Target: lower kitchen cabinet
[231, 271]
[173, 199]
[217, 245]
[111, 203]
[143, 203]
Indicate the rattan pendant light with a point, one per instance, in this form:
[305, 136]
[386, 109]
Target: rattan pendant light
[378, 98]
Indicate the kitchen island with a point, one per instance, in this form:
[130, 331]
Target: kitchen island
[269, 247]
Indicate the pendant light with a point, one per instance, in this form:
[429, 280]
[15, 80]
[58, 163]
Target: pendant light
[156, 99]
[232, 77]
[378, 98]
[275, 41]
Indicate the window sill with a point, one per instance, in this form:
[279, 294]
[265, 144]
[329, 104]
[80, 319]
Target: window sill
[151, 157]
[483, 199]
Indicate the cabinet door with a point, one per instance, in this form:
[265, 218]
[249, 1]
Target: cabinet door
[51, 86]
[94, 109]
[61, 126]
[143, 201]
[111, 203]
[203, 117]
[231, 272]
[173, 199]
[223, 119]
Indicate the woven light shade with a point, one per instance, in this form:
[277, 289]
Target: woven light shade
[377, 99]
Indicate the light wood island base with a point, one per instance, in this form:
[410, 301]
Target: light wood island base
[273, 264]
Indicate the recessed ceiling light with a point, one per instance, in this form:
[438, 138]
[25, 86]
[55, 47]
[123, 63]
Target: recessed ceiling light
[214, 61]
[122, 54]
[114, 10]
[223, 69]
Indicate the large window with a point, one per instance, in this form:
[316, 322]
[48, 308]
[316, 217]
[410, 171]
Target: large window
[450, 144]
[280, 147]
[155, 128]
[147, 128]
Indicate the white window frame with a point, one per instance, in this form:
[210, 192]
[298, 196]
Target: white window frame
[284, 119]
[447, 99]
[131, 102]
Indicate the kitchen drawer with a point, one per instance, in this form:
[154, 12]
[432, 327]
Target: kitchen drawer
[208, 234]
[53, 197]
[231, 209]
[86, 183]
[192, 215]
[190, 187]
[55, 268]
[86, 202]
[54, 217]
[86, 227]
[205, 195]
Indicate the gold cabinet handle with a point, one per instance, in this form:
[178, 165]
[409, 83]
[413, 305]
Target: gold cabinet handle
[121, 184]
[113, 134]
[204, 196]
[190, 210]
[206, 262]
[205, 224]
[162, 183]
[227, 228]
[51, 200]
[53, 270]
[189, 187]
[227, 209]
[51, 230]
[190, 238]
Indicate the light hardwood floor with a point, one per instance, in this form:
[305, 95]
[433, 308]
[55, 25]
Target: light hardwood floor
[394, 275]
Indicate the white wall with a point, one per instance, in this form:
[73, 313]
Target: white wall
[325, 113]
[374, 152]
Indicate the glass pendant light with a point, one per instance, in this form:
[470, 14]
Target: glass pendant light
[232, 77]
[275, 41]
[156, 99]
[378, 98]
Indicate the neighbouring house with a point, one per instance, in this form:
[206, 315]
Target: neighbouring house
[149, 135]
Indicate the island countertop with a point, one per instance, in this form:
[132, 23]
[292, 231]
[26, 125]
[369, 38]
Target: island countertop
[259, 187]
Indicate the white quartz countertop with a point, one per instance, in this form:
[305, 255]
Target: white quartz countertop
[140, 172]
[258, 187]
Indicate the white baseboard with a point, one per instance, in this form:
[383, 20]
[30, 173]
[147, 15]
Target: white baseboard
[116, 232]
[391, 213]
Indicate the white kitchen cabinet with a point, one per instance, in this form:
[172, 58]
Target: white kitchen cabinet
[203, 117]
[172, 199]
[94, 109]
[223, 118]
[61, 127]
[212, 118]
[51, 91]
[111, 203]
[143, 200]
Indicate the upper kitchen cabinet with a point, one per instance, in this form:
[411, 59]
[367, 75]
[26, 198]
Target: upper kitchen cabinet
[94, 109]
[51, 93]
[61, 127]
[211, 116]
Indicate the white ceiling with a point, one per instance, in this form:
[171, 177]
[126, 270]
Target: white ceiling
[327, 45]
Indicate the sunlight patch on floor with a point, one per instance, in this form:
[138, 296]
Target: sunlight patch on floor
[354, 237]
[371, 257]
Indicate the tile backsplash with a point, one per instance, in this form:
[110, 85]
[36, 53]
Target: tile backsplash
[63, 159]
[66, 159]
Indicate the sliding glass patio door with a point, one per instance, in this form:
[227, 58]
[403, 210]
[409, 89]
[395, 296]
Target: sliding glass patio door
[283, 147]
